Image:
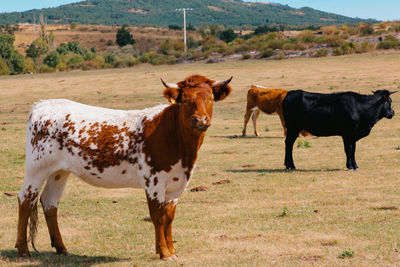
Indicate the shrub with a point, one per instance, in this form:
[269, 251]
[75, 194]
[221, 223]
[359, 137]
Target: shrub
[307, 37]
[52, 59]
[162, 59]
[365, 47]
[246, 56]
[334, 40]
[73, 25]
[390, 42]
[29, 65]
[37, 48]
[395, 27]
[275, 44]
[89, 55]
[46, 69]
[62, 49]
[267, 52]
[73, 47]
[75, 61]
[348, 253]
[174, 27]
[264, 29]
[109, 58]
[228, 35]
[289, 46]
[4, 70]
[191, 43]
[321, 53]
[124, 37]
[365, 28]
[61, 66]
[329, 30]
[16, 63]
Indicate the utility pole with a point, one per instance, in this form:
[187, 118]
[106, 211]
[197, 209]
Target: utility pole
[184, 23]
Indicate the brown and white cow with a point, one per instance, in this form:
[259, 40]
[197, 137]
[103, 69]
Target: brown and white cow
[267, 100]
[154, 149]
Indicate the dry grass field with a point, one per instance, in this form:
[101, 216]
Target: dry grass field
[265, 216]
[147, 38]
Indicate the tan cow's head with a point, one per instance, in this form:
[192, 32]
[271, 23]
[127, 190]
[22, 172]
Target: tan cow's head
[195, 95]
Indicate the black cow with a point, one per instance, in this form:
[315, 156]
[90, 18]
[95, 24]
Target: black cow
[348, 114]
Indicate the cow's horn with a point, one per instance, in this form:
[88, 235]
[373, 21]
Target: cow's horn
[170, 85]
[222, 83]
[392, 92]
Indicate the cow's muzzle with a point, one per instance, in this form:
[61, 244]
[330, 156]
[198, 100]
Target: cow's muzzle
[201, 124]
[391, 114]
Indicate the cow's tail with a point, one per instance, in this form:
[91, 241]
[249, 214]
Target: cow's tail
[33, 224]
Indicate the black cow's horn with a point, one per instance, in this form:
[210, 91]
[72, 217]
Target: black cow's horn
[170, 85]
[222, 83]
[392, 92]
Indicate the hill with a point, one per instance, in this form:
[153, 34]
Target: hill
[162, 13]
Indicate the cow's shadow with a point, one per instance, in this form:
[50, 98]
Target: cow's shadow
[280, 170]
[49, 258]
[246, 137]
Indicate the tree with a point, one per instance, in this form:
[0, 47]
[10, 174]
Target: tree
[228, 35]
[124, 37]
[13, 59]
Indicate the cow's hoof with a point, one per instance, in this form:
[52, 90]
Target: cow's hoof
[64, 252]
[25, 255]
[170, 258]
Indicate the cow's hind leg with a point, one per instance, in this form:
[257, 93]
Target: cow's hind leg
[50, 197]
[254, 118]
[249, 111]
[289, 141]
[27, 212]
[349, 148]
[353, 155]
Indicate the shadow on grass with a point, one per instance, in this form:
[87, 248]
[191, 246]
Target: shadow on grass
[48, 258]
[281, 170]
[246, 137]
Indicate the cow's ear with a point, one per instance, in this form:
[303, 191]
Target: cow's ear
[173, 95]
[221, 89]
[172, 92]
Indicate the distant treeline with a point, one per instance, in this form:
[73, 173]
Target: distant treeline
[162, 13]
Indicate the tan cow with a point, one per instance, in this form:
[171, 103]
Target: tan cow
[154, 149]
[267, 100]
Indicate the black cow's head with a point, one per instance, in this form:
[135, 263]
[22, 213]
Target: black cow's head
[387, 110]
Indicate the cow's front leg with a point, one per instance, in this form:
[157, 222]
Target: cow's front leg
[170, 209]
[289, 141]
[158, 216]
[353, 155]
[348, 150]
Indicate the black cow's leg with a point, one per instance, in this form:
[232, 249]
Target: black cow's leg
[289, 141]
[353, 155]
[348, 149]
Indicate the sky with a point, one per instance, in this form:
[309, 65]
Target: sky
[382, 9]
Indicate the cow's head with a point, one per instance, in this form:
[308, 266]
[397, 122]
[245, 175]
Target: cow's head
[386, 101]
[195, 95]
